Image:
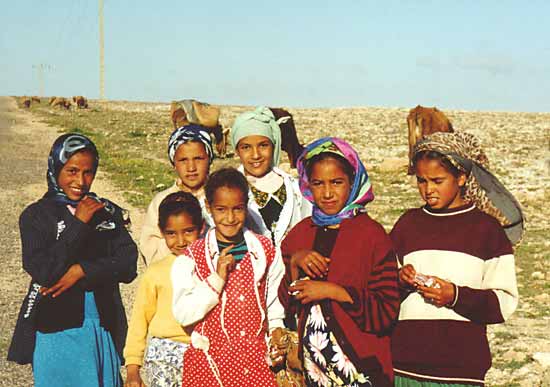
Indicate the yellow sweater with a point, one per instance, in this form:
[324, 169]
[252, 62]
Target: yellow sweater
[152, 312]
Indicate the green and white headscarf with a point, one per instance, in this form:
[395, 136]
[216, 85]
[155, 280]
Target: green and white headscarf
[260, 122]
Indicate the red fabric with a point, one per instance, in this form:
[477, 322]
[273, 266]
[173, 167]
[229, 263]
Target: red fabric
[363, 262]
[239, 357]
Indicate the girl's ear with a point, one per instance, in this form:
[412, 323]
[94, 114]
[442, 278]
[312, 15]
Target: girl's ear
[462, 180]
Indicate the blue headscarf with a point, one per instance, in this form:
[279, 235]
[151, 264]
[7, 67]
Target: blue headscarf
[361, 188]
[188, 133]
[63, 148]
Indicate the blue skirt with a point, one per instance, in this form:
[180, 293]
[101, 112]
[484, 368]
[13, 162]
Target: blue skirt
[84, 357]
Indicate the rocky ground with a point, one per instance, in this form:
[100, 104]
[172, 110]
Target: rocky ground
[518, 146]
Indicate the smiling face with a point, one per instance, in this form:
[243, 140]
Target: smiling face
[191, 164]
[329, 185]
[438, 187]
[256, 154]
[228, 210]
[180, 232]
[77, 175]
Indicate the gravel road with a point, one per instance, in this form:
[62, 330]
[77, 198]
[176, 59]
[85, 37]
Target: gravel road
[24, 147]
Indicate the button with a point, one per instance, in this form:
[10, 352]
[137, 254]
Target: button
[243, 333]
[241, 297]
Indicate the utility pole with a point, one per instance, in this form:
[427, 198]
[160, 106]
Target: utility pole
[101, 54]
[40, 72]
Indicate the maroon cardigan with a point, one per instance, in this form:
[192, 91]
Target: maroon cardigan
[363, 262]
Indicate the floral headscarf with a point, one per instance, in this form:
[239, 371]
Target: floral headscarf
[188, 133]
[482, 188]
[361, 189]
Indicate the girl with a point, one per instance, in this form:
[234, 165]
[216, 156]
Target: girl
[341, 276]
[191, 154]
[225, 290]
[440, 338]
[76, 249]
[180, 220]
[275, 203]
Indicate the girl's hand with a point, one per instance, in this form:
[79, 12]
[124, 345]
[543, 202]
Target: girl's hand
[133, 378]
[226, 263]
[71, 277]
[313, 264]
[312, 291]
[442, 293]
[86, 209]
[406, 276]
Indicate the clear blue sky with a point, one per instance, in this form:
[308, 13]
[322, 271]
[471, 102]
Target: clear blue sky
[471, 55]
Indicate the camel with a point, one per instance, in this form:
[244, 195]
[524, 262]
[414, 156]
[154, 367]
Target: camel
[423, 121]
[61, 102]
[80, 102]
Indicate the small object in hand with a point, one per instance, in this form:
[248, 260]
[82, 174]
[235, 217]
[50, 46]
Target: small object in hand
[425, 280]
[293, 283]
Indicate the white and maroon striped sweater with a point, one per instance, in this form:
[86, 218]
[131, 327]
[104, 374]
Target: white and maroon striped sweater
[471, 250]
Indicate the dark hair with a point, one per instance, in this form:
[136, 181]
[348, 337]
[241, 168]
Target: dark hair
[443, 161]
[180, 203]
[344, 164]
[226, 177]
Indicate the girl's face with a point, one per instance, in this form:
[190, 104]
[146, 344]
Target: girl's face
[256, 154]
[77, 175]
[329, 185]
[228, 210]
[180, 232]
[192, 165]
[439, 188]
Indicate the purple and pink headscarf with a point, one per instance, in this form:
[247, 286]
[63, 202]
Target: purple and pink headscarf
[361, 188]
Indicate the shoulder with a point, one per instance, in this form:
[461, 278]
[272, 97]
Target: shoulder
[161, 265]
[39, 209]
[159, 196]
[364, 221]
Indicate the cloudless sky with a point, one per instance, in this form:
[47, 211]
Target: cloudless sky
[472, 55]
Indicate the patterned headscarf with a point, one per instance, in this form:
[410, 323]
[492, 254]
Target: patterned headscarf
[361, 189]
[62, 149]
[463, 150]
[260, 122]
[188, 133]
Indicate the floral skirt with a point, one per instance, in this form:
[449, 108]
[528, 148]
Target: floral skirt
[325, 363]
[163, 363]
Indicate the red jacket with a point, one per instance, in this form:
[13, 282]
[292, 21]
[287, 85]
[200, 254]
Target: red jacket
[363, 262]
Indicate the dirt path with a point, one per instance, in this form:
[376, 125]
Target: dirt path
[24, 147]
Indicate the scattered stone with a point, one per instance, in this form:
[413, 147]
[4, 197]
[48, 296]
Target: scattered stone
[544, 297]
[160, 186]
[543, 358]
[513, 355]
[537, 275]
[393, 164]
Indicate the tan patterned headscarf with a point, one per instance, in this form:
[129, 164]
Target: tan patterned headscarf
[464, 151]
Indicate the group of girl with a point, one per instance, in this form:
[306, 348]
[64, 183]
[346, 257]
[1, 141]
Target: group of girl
[237, 253]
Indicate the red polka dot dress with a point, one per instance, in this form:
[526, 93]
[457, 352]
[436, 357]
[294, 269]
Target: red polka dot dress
[236, 328]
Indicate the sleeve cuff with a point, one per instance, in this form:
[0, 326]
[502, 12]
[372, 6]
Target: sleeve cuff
[356, 298]
[215, 282]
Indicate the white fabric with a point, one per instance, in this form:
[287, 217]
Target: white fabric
[294, 210]
[496, 274]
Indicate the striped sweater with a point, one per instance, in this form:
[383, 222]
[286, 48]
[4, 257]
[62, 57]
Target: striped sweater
[469, 249]
[363, 262]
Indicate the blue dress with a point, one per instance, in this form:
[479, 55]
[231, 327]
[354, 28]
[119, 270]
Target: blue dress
[84, 357]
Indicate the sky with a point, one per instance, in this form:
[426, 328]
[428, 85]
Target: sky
[462, 55]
